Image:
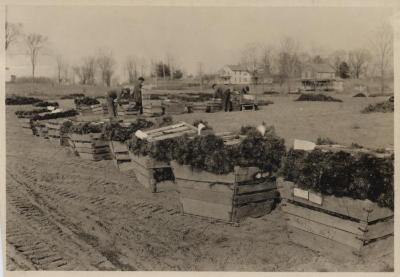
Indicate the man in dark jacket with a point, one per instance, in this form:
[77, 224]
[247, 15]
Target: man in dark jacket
[223, 92]
[137, 94]
[114, 98]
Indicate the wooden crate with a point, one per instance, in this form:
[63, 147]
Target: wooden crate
[120, 155]
[91, 146]
[153, 109]
[97, 109]
[345, 223]
[197, 107]
[174, 108]
[171, 131]
[228, 197]
[144, 168]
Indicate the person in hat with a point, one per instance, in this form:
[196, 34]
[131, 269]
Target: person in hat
[137, 94]
[114, 98]
[223, 92]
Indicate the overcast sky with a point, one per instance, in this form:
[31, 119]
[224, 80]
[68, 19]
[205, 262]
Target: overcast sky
[214, 36]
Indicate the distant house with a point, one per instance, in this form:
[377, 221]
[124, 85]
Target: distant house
[318, 77]
[234, 74]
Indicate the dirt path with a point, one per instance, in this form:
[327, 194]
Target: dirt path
[64, 213]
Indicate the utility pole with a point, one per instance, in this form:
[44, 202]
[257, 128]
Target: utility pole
[201, 75]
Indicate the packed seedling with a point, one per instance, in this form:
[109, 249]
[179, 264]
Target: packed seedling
[86, 101]
[29, 114]
[382, 107]
[86, 128]
[358, 176]
[325, 141]
[317, 97]
[116, 132]
[21, 100]
[47, 116]
[46, 104]
[72, 96]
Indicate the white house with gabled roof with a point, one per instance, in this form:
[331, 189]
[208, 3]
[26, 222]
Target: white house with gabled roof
[234, 74]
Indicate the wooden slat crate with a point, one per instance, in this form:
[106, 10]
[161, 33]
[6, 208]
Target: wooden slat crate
[174, 108]
[197, 107]
[97, 109]
[227, 197]
[144, 168]
[120, 155]
[91, 146]
[151, 109]
[348, 224]
[170, 131]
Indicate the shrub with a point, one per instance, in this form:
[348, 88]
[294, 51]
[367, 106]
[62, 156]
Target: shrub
[317, 97]
[382, 107]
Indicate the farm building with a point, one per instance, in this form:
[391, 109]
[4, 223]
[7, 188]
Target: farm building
[234, 74]
[318, 77]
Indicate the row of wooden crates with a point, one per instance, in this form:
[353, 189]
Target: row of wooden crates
[332, 224]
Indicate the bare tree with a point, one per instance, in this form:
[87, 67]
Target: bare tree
[34, 43]
[89, 70]
[358, 60]
[61, 67]
[106, 63]
[288, 60]
[382, 46]
[77, 70]
[13, 31]
[336, 58]
[266, 59]
[143, 66]
[131, 67]
[170, 63]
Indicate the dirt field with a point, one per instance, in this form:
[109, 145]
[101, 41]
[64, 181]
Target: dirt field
[64, 213]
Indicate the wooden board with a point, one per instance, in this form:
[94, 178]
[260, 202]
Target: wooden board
[146, 181]
[206, 209]
[122, 156]
[185, 172]
[86, 137]
[266, 185]
[254, 197]
[380, 229]
[252, 210]
[323, 218]
[92, 144]
[147, 161]
[92, 150]
[212, 197]
[95, 157]
[126, 166]
[216, 187]
[118, 146]
[325, 231]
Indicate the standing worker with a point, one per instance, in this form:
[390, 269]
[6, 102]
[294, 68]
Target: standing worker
[114, 98]
[224, 92]
[137, 94]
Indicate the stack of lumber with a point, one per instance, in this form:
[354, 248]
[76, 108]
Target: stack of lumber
[53, 131]
[227, 197]
[152, 108]
[91, 146]
[174, 107]
[127, 110]
[145, 166]
[25, 123]
[214, 106]
[39, 128]
[323, 222]
[120, 154]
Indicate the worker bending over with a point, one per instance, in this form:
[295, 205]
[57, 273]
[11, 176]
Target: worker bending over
[114, 98]
[223, 92]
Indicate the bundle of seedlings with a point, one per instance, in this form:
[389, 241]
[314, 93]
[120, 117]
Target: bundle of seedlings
[86, 128]
[29, 114]
[382, 107]
[86, 101]
[209, 153]
[47, 116]
[21, 100]
[325, 141]
[341, 174]
[115, 132]
[46, 104]
[360, 95]
[317, 97]
[72, 96]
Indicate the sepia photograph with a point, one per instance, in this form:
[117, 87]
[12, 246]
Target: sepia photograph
[199, 138]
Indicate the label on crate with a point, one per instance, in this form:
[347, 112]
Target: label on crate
[300, 193]
[315, 198]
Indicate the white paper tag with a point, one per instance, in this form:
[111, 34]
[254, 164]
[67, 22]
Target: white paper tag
[315, 198]
[300, 193]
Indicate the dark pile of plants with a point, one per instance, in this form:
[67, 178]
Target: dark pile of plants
[317, 97]
[209, 153]
[360, 95]
[116, 132]
[72, 96]
[358, 176]
[381, 107]
[29, 114]
[86, 128]
[46, 104]
[270, 92]
[86, 101]
[47, 116]
[163, 174]
[66, 127]
[21, 100]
